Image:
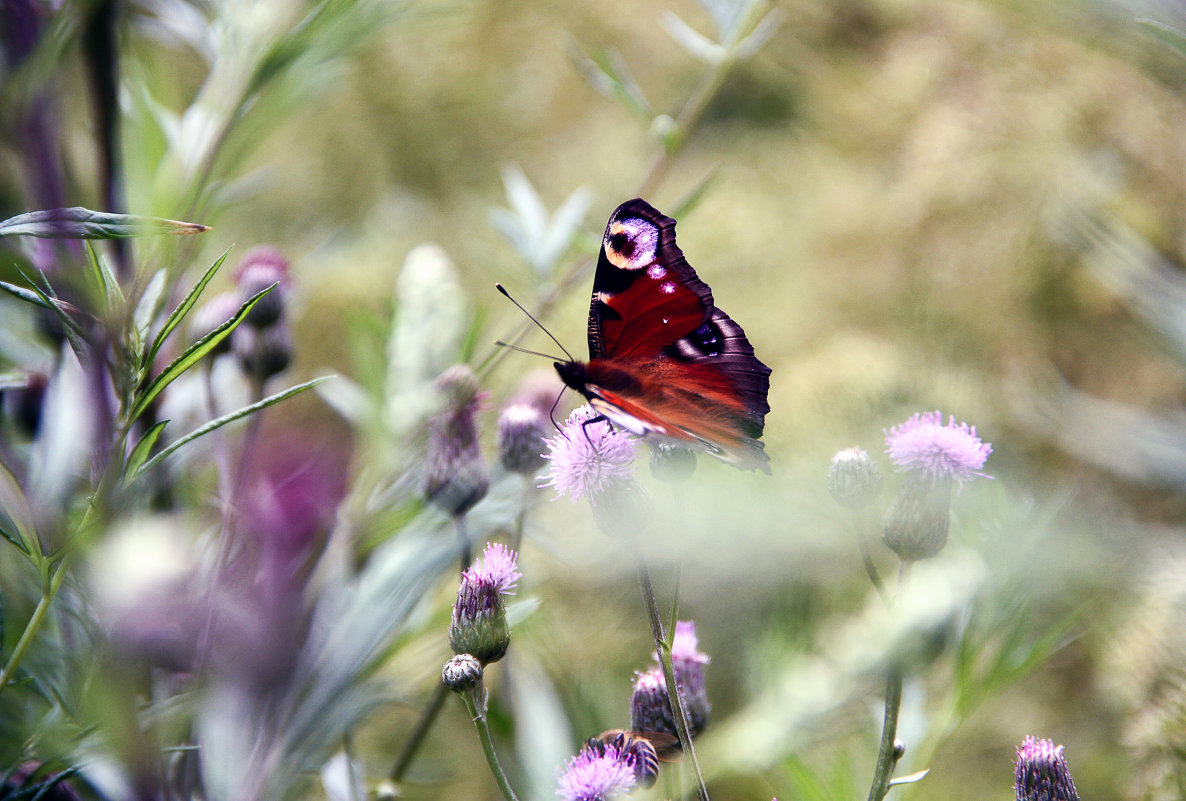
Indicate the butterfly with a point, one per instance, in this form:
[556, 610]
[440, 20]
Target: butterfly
[664, 361]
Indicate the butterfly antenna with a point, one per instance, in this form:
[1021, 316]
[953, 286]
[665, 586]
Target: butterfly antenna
[518, 349]
[531, 317]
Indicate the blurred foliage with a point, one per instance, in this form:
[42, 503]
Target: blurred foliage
[970, 206]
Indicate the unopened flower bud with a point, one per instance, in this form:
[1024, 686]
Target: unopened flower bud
[262, 267]
[479, 624]
[671, 463]
[650, 708]
[917, 522]
[462, 672]
[262, 352]
[854, 478]
[1041, 773]
[522, 429]
[456, 477]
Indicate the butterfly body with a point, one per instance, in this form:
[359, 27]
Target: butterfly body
[664, 360]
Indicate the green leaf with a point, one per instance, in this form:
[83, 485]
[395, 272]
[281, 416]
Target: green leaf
[692, 198]
[103, 277]
[183, 308]
[606, 72]
[1166, 33]
[910, 779]
[42, 297]
[146, 309]
[79, 223]
[193, 355]
[143, 447]
[229, 418]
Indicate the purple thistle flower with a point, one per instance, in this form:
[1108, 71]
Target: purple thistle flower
[689, 663]
[596, 774]
[924, 445]
[479, 618]
[650, 708]
[455, 475]
[588, 460]
[1041, 773]
[522, 428]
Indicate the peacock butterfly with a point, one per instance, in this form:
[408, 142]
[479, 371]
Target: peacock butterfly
[664, 361]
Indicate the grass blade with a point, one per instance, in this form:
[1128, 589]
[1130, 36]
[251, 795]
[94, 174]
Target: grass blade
[77, 222]
[230, 417]
[183, 308]
[193, 355]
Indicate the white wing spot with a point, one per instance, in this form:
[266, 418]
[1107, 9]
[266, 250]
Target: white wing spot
[657, 272]
[666, 320]
[667, 287]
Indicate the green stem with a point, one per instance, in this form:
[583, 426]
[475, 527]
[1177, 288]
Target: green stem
[866, 557]
[427, 718]
[35, 620]
[476, 710]
[886, 758]
[678, 707]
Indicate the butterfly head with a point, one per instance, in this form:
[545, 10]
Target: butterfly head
[573, 374]
[631, 243]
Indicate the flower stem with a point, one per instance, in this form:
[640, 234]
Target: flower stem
[463, 546]
[427, 718]
[886, 758]
[35, 620]
[663, 648]
[866, 557]
[477, 711]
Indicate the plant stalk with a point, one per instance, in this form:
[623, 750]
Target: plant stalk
[427, 718]
[476, 710]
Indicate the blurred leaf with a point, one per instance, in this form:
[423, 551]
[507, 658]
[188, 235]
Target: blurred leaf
[349, 400]
[691, 199]
[343, 779]
[607, 73]
[230, 417]
[542, 732]
[1166, 33]
[540, 240]
[39, 297]
[79, 223]
[104, 279]
[192, 356]
[15, 506]
[183, 308]
[760, 35]
[147, 309]
[143, 447]
[695, 43]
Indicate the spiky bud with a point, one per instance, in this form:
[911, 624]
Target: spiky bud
[522, 429]
[456, 476]
[917, 522]
[854, 478]
[650, 708]
[260, 268]
[462, 672]
[262, 352]
[479, 625]
[1041, 773]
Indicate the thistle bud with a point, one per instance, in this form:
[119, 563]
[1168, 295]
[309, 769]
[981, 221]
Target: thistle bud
[917, 522]
[1041, 773]
[650, 708]
[522, 429]
[456, 477]
[688, 663]
[260, 268]
[479, 624]
[262, 352]
[23, 404]
[671, 463]
[462, 672]
[854, 478]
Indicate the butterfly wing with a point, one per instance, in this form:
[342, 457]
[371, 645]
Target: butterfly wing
[664, 358]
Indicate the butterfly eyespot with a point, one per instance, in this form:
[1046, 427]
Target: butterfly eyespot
[631, 244]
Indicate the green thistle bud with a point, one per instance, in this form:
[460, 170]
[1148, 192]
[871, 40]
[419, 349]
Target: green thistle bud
[462, 672]
[854, 478]
[456, 476]
[917, 522]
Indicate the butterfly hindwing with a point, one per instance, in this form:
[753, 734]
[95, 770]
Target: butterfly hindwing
[663, 358]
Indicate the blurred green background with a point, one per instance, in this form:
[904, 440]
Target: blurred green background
[909, 206]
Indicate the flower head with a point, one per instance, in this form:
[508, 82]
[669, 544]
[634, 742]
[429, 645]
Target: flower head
[479, 619]
[263, 266]
[455, 476]
[650, 708]
[596, 774]
[924, 445]
[522, 428]
[1042, 774]
[462, 672]
[689, 663]
[589, 458]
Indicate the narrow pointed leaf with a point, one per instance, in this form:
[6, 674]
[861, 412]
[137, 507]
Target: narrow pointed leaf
[693, 41]
[910, 779]
[183, 308]
[79, 223]
[147, 308]
[143, 447]
[58, 307]
[193, 355]
[103, 277]
[230, 417]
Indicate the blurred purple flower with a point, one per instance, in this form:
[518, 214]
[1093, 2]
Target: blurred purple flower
[924, 445]
[455, 475]
[261, 267]
[589, 459]
[596, 774]
[1041, 773]
[688, 663]
[650, 709]
[522, 428]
